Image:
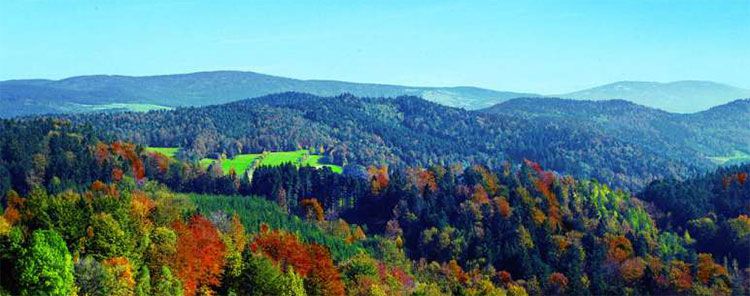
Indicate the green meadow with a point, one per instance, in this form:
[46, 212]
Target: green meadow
[737, 157]
[242, 162]
[167, 151]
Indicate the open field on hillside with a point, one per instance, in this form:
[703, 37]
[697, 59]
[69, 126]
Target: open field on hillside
[737, 157]
[242, 162]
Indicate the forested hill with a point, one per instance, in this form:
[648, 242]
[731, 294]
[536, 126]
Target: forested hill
[103, 92]
[720, 131]
[90, 217]
[413, 131]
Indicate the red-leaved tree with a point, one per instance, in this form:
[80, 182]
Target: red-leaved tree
[200, 254]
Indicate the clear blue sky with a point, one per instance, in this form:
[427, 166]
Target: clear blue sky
[540, 46]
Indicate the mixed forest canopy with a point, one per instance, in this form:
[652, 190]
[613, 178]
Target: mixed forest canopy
[619, 143]
[92, 214]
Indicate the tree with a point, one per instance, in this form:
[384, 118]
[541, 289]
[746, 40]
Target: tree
[109, 238]
[91, 277]
[200, 254]
[46, 268]
[324, 278]
[619, 249]
[557, 282]
[679, 275]
[120, 276]
[632, 269]
[378, 178]
[281, 199]
[168, 285]
[312, 209]
[261, 277]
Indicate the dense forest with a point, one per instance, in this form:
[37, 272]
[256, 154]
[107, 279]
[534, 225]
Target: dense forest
[619, 143]
[91, 214]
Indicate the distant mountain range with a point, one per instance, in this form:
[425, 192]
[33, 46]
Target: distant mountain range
[94, 93]
[678, 96]
[116, 93]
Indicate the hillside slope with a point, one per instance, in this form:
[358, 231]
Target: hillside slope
[625, 144]
[719, 131]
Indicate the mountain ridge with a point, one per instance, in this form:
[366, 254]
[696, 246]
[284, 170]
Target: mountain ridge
[19, 97]
[683, 96]
[36, 96]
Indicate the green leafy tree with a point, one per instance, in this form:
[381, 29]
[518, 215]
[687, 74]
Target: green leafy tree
[143, 282]
[168, 284]
[261, 277]
[46, 268]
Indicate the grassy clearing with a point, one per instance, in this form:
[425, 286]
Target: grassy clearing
[168, 151]
[737, 157]
[239, 163]
[137, 107]
[243, 162]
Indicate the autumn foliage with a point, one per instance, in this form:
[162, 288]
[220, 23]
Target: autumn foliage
[558, 281]
[378, 178]
[12, 212]
[619, 248]
[311, 261]
[312, 209]
[503, 207]
[679, 275]
[708, 269]
[422, 179]
[200, 254]
[632, 269]
[127, 151]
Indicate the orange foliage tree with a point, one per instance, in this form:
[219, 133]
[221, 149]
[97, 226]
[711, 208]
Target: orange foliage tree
[633, 269]
[708, 269]
[619, 248]
[127, 151]
[480, 195]
[312, 209]
[284, 248]
[379, 178]
[324, 278]
[312, 261]
[503, 207]
[543, 184]
[679, 275]
[557, 281]
[15, 206]
[421, 179]
[504, 277]
[200, 254]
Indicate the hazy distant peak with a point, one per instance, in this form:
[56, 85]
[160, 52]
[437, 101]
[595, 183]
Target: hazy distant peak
[685, 96]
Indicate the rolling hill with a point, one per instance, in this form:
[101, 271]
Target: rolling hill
[618, 142]
[678, 96]
[100, 92]
[722, 131]
[143, 93]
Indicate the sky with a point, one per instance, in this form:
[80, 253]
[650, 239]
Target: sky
[535, 46]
